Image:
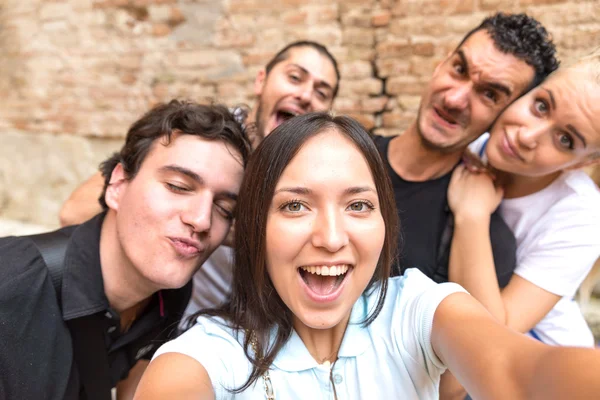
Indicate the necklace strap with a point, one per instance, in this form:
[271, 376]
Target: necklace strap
[266, 377]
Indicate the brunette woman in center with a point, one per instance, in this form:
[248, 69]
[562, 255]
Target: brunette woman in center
[313, 313]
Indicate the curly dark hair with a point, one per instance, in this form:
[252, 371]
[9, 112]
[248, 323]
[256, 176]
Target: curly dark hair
[525, 38]
[210, 122]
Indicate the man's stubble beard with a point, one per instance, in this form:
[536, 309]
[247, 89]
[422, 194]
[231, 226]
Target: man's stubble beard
[434, 147]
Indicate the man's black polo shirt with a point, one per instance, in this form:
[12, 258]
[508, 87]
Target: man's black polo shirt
[425, 237]
[36, 344]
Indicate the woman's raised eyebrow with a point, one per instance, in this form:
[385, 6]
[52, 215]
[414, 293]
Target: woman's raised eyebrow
[296, 190]
[551, 95]
[359, 189]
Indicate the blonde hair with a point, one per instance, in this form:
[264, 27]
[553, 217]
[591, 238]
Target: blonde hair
[590, 64]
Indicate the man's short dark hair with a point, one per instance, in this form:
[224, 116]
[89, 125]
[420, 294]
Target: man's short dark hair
[525, 38]
[210, 122]
[284, 53]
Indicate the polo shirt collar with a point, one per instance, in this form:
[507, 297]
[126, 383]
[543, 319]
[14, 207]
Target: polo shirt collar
[83, 286]
[294, 356]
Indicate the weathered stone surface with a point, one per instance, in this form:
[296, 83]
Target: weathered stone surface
[39, 171]
[87, 69]
[9, 227]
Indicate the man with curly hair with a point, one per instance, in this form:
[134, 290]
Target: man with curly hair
[494, 64]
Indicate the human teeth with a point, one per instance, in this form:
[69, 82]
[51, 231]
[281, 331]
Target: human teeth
[334, 270]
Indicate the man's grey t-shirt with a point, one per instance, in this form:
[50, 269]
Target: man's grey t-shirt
[212, 282]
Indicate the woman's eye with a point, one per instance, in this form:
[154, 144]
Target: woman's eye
[566, 141]
[360, 206]
[541, 106]
[293, 206]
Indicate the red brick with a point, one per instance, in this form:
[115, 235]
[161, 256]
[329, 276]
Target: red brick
[347, 105]
[358, 18]
[128, 78]
[392, 67]
[366, 120]
[397, 48]
[422, 49]
[397, 119]
[404, 85]
[361, 87]
[237, 39]
[356, 69]
[374, 104]
[381, 18]
[294, 17]
[161, 29]
[539, 2]
[358, 36]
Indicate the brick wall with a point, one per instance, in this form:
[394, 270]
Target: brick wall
[80, 71]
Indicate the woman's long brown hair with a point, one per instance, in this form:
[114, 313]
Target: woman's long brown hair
[255, 305]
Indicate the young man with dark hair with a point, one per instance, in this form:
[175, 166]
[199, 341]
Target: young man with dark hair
[302, 77]
[123, 282]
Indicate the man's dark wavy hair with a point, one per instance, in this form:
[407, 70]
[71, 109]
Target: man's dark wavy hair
[525, 38]
[209, 122]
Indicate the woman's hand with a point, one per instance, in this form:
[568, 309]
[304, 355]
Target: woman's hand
[472, 194]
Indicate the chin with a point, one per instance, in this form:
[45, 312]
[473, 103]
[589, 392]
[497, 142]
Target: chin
[172, 281]
[324, 319]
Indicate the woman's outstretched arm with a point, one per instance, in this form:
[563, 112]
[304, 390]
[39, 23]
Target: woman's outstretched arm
[175, 376]
[473, 198]
[494, 362]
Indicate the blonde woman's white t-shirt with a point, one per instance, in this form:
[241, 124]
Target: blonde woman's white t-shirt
[558, 240]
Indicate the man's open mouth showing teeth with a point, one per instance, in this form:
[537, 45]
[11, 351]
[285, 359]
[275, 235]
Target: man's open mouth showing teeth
[322, 279]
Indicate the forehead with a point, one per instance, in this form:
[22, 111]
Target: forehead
[193, 152]
[487, 62]
[311, 60]
[576, 92]
[328, 158]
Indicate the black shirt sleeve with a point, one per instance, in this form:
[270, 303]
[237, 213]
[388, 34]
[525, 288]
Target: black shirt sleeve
[35, 344]
[504, 249]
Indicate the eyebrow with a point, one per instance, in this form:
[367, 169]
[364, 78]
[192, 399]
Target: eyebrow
[300, 190]
[195, 177]
[296, 190]
[570, 127]
[494, 85]
[319, 81]
[551, 98]
[359, 189]
[575, 132]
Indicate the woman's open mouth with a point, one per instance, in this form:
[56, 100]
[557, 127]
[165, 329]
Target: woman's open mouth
[324, 283]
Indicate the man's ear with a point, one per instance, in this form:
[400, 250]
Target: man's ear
[116, 186]
[259, 81]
